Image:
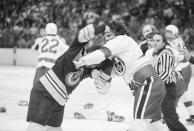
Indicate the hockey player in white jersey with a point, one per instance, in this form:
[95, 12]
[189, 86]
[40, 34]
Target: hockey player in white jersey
[129, 61]
[50, 47]
[147, 32]
[183, 69]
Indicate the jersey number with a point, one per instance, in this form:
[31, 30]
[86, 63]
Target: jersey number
[48, 48]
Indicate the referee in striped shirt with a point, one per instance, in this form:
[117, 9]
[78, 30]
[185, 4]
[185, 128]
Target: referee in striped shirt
[164, 66]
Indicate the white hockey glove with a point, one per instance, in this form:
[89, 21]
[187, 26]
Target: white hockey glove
[89, 32]
[102, 81]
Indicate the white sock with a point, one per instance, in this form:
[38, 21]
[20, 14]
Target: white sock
[35, 127]
[155, 126]
[187, 101]
[50, 128]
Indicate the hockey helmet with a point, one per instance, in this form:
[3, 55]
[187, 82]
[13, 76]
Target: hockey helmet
[171, 31]
[51, 29]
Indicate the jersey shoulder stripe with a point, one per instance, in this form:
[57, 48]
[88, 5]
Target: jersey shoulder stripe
[55, 87]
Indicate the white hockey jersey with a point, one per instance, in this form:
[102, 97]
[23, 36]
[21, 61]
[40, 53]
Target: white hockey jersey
[178, 47]
[50, 48]
[127, 56]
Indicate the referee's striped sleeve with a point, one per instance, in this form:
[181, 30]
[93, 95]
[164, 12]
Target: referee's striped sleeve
[167, 65]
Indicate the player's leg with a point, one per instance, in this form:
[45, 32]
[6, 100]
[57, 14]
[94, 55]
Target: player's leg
[187, 100]
[169, 109]
[39, 109]
[189, 106]
[33, 126]
[154, 126]
[50, 128]
[180, 86]
[148, 99]
[55, 119]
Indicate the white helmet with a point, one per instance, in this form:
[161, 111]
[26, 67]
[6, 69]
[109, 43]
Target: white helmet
[147, 29]
[51, 29]
[173, 29]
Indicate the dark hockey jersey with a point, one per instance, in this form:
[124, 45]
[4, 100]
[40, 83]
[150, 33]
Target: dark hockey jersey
[144, 46]
[63, 78]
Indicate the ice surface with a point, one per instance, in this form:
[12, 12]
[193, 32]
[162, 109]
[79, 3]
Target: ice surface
[15, 85]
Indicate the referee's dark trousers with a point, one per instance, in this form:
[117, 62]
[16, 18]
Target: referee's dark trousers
[169, 109]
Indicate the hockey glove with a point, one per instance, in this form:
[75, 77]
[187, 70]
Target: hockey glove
[102, 81]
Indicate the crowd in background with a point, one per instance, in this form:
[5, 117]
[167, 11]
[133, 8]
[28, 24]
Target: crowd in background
[21, 21]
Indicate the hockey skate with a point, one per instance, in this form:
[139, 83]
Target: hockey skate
[115, 118]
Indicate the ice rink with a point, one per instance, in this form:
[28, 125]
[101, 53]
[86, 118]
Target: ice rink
[15, 85]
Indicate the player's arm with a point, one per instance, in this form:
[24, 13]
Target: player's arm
[93, 58]
[181, 45]
[33, 47]
[85, 34]
[63, 47]
[112, 47]
[178, 57]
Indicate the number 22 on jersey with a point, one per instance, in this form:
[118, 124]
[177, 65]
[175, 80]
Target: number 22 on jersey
[49, 45]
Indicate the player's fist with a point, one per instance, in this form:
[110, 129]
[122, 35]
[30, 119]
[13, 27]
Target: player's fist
[87, 33]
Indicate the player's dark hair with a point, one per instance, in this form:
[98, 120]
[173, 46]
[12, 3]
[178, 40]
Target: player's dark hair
[118, 28]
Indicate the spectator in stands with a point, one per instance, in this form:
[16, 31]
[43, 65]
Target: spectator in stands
[34, 13]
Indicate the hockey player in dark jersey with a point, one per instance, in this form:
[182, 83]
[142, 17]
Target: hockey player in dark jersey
[49, 95]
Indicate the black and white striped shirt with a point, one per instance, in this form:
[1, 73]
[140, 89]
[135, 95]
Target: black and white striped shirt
[164, 64]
